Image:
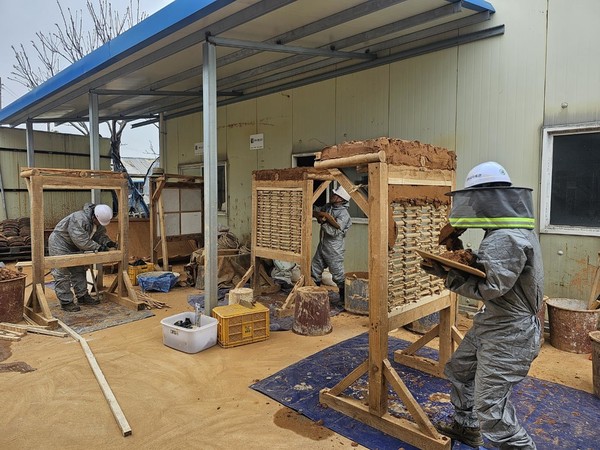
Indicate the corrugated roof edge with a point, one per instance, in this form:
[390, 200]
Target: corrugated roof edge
[171, 18]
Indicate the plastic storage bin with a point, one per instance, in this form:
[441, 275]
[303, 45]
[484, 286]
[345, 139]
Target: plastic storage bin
[239, 325]
[134, 271]
[189, 340]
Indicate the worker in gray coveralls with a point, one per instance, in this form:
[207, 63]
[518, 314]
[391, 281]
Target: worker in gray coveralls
[330, 251]
[497, 351]
[79, 232]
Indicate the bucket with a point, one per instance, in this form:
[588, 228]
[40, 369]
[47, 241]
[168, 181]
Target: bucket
[595, 338]
[571, 324]
[424, 324]
[12, 299]
[356, 293]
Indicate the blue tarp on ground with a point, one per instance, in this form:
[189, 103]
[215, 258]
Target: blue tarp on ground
[556, 416]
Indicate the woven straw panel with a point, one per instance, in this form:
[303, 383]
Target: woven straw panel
[418, 228]
[279, 219]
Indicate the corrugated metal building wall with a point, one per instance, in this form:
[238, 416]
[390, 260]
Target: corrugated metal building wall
[485, 100]
[56, 150]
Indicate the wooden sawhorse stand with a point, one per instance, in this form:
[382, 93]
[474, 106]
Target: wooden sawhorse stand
[122, 292]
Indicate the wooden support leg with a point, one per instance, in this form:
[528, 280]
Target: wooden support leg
[37, 309]
[286, 309]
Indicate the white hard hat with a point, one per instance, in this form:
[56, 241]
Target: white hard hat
[487, 172]
[103, 213]
[342, 193]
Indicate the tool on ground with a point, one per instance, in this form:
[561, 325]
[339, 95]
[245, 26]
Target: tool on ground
[323, 217]
[450, 237]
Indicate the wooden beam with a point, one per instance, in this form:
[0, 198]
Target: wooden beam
[402, 429]
[378, 287]
[408, 175]
[324, 185]
[410, 312]
[123, 301]
[82, 259]
[106, 390]
[350, 161]
[246, 277]
[359, 198]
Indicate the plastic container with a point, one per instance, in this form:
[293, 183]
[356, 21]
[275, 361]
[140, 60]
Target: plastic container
[134, 271]
[239, 325]
[189, 340]
[12, 299]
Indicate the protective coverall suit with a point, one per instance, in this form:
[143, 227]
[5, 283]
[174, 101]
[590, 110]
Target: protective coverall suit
[497, 351]
[74, 234]
[330, 251]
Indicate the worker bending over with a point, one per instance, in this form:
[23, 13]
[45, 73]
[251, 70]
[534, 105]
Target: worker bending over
[81, 231]
[497, 351]
[335, 222]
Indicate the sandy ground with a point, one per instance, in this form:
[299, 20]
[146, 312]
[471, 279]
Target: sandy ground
[177, 400]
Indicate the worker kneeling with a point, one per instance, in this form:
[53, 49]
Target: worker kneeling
[81, 231]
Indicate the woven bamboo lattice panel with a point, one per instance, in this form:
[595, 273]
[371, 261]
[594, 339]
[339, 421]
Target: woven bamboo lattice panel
[279, 219]
[418, 228]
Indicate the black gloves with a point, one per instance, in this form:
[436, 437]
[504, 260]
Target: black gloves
[435, 269]
[111, 244]
[103, 248]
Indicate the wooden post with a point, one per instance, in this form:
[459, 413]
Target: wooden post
[378, 287]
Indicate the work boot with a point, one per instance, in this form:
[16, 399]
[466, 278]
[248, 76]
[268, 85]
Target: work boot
[87, 299]
[70, 307]
[466, 435]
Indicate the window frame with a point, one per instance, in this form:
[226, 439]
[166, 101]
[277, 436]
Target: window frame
[327, 191]
[200, 166]
[548, 134]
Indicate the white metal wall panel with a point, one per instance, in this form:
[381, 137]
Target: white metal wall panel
[362, 105]
[313, 113]
[423, 98]
[500, 94]
[274, 114]
[573, 73]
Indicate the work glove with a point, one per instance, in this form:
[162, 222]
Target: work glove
[103, 248]
[434, 268]
[111, 244]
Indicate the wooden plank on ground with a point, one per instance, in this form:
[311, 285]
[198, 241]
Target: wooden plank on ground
[106, 390]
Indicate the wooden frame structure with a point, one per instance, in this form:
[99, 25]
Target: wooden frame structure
[157, 212]
[420, 433]
[282, 203]
[121, 291]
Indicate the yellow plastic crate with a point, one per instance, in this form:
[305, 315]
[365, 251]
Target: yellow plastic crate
[239, 325]
[134, 271]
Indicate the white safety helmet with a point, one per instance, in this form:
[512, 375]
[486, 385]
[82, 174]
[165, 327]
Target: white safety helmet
[340, 191]
[487, 172]
[103, 213]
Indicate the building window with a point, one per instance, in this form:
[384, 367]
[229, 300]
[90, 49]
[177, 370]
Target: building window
[197, 169]
[308, 160]
[570, 196]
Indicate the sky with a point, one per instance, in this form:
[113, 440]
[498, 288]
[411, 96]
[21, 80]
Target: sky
[20, 20]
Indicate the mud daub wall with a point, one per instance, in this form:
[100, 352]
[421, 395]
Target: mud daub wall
[419, 211]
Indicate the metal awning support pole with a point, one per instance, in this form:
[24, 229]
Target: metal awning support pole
[30, 145]
[162, 141]
[209, 103]
[95, 143]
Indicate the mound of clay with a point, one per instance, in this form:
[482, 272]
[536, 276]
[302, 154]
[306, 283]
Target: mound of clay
[465, 257]
[398, 152]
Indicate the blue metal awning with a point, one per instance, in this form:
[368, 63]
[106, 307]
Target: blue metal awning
[263, 46]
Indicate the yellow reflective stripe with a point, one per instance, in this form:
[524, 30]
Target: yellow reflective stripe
[493, 222]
